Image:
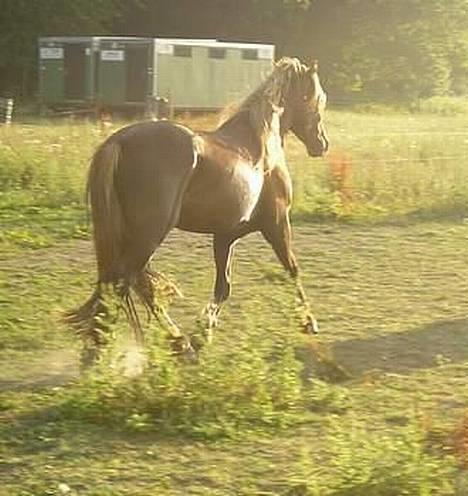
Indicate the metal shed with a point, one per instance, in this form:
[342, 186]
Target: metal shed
[207, 74]
[67, 70]
[94, 71]
[124, 66]
[118, 72]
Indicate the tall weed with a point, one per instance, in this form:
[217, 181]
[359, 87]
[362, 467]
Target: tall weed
[378, 463]
[221, 394]
[381, 166]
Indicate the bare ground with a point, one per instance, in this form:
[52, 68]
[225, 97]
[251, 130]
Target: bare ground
[389, 298]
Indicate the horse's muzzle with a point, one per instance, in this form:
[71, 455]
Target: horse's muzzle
[318, 151]
[322, 146]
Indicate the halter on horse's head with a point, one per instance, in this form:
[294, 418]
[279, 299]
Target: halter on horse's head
[297, 89]
[293, 93]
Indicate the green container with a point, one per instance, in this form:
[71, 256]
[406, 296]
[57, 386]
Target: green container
[124, 69]
[67, 70]
[119, 72]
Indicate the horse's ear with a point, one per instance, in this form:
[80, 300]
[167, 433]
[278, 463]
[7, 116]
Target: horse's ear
[279, 62]
[277, 109]
[314, 66]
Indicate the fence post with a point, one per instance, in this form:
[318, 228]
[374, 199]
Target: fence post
[6, 110]
[158, 108]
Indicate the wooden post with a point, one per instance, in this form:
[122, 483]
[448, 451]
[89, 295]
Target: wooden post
[6, 110]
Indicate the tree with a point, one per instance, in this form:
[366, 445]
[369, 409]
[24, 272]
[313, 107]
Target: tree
[23, 21]
[368, 49]
[402, 49]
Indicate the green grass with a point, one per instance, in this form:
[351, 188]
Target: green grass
[261, 413]
[395, 166]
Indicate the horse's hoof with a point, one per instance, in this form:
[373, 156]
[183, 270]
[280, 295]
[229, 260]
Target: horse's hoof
[179, 344]
[210, 314]
[197, 343]
[311, 326]
[88, 357]
[182, 346]
[190, 353]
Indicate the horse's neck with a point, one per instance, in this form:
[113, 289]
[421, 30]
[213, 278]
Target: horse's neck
[273, 143]
[264, 147]
[238, 132]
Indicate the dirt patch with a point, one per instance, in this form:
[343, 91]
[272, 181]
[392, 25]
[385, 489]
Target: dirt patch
[390, 298]
[49, 368]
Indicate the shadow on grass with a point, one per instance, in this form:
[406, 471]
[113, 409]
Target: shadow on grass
[49, 448]
[421, 348]
[43, 434]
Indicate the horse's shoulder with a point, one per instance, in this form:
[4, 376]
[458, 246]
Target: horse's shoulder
[214, 147]
[278, 179]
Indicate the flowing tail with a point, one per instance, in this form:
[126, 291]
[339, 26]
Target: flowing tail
[108, 235]
[106, 213]
[131, 213]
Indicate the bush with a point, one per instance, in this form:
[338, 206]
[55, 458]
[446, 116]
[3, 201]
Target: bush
[444, 105]
[379, 167]
[375, 464]
[47, 161]
[223, 393]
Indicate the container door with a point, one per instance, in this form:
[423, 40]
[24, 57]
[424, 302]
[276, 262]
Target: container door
[75, 65]
[111, 74]
[137, 73]
[51, 73]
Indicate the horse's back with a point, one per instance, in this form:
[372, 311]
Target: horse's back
[156, 141]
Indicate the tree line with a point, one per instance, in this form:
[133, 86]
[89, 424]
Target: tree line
[376, 50]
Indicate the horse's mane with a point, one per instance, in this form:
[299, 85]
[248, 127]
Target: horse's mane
[271, 91]
[265, 104]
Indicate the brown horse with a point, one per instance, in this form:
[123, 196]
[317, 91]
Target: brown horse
[150, 177]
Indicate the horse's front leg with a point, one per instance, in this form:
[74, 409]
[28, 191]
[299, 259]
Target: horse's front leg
[277, 231]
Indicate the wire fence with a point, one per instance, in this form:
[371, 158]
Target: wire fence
[358, 160]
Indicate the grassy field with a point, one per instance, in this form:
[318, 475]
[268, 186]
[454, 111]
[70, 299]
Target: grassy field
[376, 405]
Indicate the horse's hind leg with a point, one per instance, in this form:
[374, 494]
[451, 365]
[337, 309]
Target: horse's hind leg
[145, 239]
[223, 245]
[144, 288]
[222, 249]
[152, 207]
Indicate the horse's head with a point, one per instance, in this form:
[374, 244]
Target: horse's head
[291, 98]
[304, 108]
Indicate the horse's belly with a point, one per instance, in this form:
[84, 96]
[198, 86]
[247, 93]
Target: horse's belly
[220, 200]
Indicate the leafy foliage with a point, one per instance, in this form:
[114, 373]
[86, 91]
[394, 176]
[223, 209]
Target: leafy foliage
[23, 21]
[375, 464]
[385, 50]
[404, 50]
[221, 394]
[245, 416]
